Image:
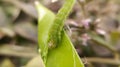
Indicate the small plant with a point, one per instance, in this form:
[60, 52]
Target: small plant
[55, 47]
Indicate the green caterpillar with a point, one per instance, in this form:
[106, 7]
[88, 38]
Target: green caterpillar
[55, 34]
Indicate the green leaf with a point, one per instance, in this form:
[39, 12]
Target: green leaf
[64, 55]
[45, 21]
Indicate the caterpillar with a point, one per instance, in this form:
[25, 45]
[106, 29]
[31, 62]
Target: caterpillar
[55, 33]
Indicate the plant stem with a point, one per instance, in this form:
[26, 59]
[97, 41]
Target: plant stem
[103, 60]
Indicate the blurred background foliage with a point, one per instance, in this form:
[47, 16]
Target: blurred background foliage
[93, 27]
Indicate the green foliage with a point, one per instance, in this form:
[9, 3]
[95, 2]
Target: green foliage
[64, 55]
[45, 22]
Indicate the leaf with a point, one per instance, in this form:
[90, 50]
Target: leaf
[7, 63]
[26, 30]
[17, 51]
[11, 11]
[35, 62]
[6, 32]
[101, 41]
[64, 55]
[45, 21]
[4, 18]
[27, 8]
